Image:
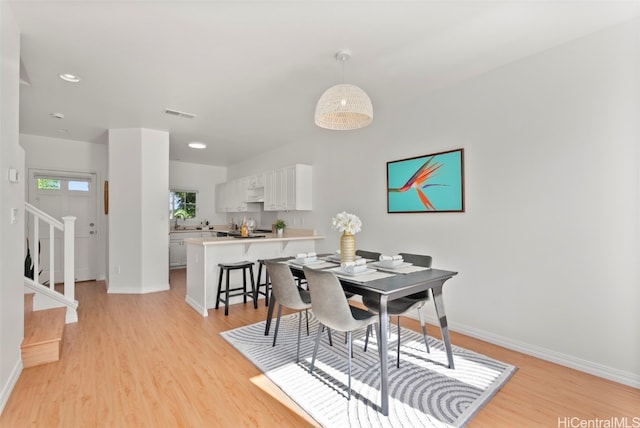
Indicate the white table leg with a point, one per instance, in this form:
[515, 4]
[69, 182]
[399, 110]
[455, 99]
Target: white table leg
[438, 302]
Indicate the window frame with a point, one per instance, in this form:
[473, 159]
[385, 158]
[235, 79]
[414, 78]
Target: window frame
[184, 203]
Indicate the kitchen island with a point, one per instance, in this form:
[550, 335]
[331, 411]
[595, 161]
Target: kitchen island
[204, 254]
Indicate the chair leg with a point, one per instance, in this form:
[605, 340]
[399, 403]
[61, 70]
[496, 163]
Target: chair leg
[349, 352]
[244, 285]
[306, 312]
[315, 347]
[226, 295]
[398, 357]
[275, 334]
[329, 333]
[424, 329]
[219, 288]
[254, 292]
[266, 288]
[366, 338]
[299, 328]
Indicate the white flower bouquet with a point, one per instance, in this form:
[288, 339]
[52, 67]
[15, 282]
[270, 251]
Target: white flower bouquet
[346, 222]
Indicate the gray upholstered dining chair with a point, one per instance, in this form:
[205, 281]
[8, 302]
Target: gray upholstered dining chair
[403, 305]
[330, 306]
[287, 294]
[368, 254]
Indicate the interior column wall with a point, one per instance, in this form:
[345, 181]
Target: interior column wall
[138, 211]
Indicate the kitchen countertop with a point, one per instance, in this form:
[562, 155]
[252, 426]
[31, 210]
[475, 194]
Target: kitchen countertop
[289, 235]
[194, 230]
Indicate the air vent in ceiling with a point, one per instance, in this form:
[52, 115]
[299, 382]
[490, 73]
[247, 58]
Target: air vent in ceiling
[172, 112]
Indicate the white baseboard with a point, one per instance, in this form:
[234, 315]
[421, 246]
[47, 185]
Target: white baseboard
[198, 307]
[600, 370]
[134, 289]
[7, 388]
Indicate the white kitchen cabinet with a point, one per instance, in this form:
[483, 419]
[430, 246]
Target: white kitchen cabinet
[178, 249]
[222, 200]
[255, 181]
[255, 189]
[177, 253]
[281, 189]
[232, 197]
[240, 197]
[298, 187]
[275, 190]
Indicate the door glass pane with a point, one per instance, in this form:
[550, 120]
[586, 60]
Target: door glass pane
[79, 186]
[48, 184]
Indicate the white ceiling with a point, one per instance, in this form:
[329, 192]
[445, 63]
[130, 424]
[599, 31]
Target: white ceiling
[252, 71]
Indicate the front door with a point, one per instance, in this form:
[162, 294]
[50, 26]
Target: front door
[59, 194]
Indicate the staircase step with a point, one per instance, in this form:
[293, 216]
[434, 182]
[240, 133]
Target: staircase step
[43, 332]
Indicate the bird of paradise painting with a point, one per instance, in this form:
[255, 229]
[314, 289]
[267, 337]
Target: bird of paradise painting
[431, 183]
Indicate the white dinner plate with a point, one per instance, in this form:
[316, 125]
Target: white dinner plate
[302, 263]
[400, 266]
[342, 271]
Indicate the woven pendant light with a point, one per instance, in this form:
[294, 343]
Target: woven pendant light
[344, 106]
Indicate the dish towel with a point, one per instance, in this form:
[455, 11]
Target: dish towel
[359, 262]
[390, 258]
[305, 255]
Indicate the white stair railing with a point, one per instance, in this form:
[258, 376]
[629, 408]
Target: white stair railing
[50, 298]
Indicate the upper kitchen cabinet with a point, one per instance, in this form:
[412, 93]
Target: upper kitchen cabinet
[282, 189]
[288, 189]
[233, 197]
[221, 197]
[255, 188]
[274, 190]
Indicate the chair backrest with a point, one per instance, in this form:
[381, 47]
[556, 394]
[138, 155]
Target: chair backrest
[368, 254]
[328, 302]
[417, 259]
[284, 286]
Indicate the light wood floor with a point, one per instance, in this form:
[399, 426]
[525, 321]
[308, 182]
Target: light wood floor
[152, 361]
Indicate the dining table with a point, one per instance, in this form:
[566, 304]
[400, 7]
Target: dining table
[385, 285]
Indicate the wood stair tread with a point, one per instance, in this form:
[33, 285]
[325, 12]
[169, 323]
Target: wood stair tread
[44, 326]
[43, 331]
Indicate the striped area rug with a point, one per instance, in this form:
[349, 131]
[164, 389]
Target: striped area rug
[423, 391]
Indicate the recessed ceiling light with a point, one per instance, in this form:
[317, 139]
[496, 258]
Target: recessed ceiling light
[196, 145]
[57, 115]
[70, 77]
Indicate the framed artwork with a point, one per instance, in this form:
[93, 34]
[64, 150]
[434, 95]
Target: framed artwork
[425, 184]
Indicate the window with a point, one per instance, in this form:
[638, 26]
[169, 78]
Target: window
[79, 186]
[73, 185]
[48, 184]
[182, 204]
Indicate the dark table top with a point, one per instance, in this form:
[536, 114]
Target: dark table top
[393, 287]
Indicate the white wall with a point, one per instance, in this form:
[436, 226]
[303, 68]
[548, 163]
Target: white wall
[203, 179]
[11, 234]
[138, 214]
[548, 249]
[78, 156]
